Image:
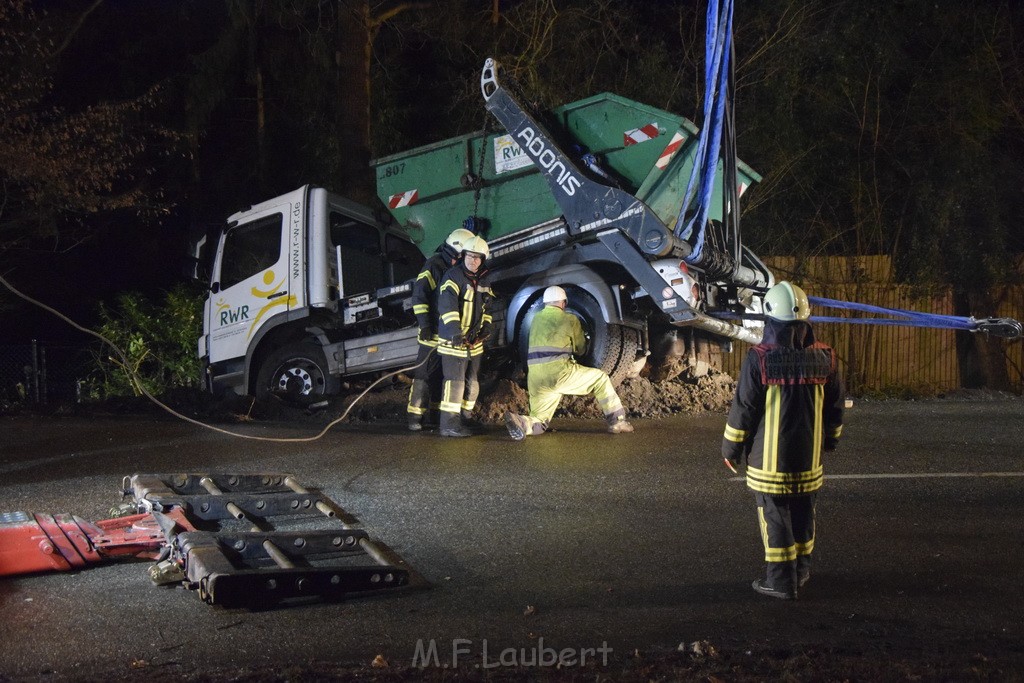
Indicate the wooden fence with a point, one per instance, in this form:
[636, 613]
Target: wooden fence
[889, 359]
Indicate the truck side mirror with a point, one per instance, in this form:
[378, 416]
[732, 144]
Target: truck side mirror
[194, 266]
[194, 269]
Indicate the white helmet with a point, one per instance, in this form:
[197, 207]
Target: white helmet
[554, 293]
[477, 245]
[787, 302]
[456, 241]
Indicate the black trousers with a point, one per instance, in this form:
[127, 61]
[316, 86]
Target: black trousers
[787, 530]
[425, 392]
[461, 386]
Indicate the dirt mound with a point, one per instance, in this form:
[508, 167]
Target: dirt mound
[640, 397]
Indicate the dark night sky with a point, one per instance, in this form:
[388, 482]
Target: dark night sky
[74, 282]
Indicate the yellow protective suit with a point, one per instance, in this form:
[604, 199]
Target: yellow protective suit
[555, 337]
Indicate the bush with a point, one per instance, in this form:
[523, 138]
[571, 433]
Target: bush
[157, 344]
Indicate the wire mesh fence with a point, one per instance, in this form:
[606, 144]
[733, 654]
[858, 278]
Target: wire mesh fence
[39, 373]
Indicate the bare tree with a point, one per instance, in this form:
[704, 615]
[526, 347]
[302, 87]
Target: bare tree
[59, 166]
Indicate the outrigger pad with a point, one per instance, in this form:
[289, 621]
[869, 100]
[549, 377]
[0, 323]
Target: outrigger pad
[259, 540]
[239, 540]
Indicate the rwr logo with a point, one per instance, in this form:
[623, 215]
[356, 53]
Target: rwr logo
[234, 315]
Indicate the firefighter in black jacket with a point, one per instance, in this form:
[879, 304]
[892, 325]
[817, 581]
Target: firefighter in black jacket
[788, 408]
[425, 392]
[464, 324]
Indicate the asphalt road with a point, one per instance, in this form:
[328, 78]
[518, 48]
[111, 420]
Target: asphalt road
[575, 540]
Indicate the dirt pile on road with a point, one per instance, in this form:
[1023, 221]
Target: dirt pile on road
[640, 397]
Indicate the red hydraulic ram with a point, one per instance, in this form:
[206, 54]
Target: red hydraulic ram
[31, 542]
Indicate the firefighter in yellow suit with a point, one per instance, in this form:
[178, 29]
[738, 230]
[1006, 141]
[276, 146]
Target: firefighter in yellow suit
[552, 372]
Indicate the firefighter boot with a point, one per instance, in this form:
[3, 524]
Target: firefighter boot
[803, 570]
[780, 582]
[451, 425]
[764, 588]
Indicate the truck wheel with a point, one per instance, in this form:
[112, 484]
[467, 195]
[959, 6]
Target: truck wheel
[296, 372]
[631, 349]
[612, 347]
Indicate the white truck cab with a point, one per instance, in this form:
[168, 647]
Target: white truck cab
[306, 288]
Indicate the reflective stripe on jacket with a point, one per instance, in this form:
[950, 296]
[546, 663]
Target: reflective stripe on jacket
[424, 294]
[462, 302]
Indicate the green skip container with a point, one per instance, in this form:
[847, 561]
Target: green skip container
[649, 152]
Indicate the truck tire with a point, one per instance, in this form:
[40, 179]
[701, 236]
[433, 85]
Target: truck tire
[296, 373]
[631, 349]
[613, 347]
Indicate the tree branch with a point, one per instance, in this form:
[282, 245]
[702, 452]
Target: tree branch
[74, 30]
[375, 22]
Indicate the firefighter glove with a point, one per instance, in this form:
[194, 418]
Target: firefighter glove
[830, 443]
[427, 334]
[458, 339]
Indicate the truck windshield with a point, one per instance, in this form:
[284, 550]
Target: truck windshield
[250, 248]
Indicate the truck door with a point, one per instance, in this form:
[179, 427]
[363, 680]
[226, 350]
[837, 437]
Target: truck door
[251, 282]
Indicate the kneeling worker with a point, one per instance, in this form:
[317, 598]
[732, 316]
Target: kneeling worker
[555, 336]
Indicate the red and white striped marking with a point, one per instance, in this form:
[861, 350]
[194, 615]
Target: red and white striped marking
[397, 201]
[638, 135]
[670, 151]
[743, 188]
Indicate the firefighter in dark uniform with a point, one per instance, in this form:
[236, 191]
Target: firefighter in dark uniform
[788, 409]
[425, 392]
[463, 325]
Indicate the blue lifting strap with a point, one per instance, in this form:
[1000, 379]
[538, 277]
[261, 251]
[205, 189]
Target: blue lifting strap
[717, 48]
[1001, 327]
